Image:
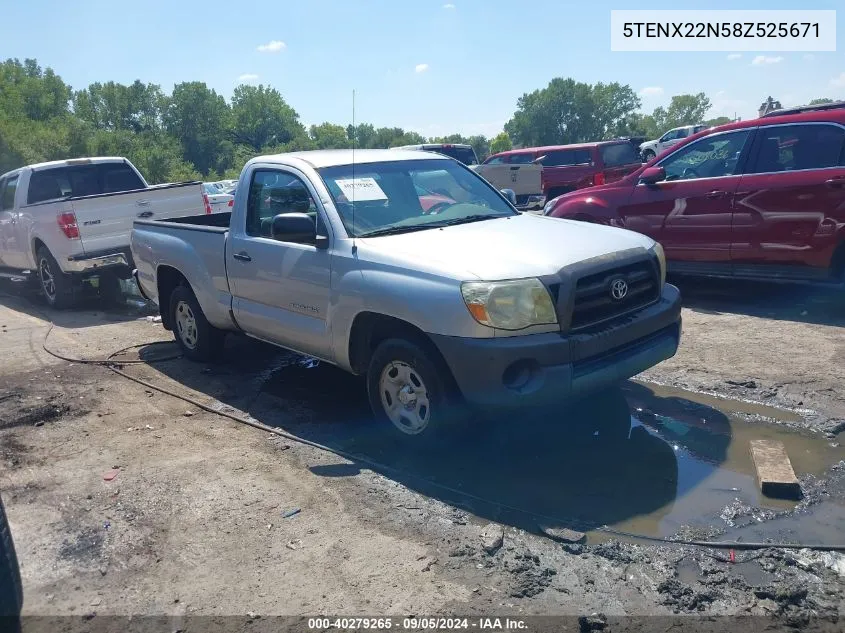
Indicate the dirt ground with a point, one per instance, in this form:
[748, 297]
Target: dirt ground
[205, 516]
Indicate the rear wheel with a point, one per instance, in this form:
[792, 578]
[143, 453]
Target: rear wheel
[198, 339]
[56, 286]
[407, 391]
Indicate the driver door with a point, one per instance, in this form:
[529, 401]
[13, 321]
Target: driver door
[280, 289]
[690, 213]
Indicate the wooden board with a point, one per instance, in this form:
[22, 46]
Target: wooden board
[774, 470]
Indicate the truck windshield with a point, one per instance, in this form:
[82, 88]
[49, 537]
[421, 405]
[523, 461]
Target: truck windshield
[410, 195]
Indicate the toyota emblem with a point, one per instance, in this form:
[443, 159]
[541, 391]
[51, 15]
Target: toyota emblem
[618, 289]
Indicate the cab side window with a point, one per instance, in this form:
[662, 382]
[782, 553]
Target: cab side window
[274, 192]
[7, 193]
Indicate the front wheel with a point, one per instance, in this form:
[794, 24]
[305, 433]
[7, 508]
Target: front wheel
[198, 339]
[648, 155]
[406, 389]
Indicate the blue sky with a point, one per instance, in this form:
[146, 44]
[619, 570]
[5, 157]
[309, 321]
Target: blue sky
[434, 66]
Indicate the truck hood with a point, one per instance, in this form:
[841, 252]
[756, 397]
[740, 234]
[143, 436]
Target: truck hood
[525, 245]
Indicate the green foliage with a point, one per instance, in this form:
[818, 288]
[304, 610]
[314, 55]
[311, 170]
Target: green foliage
[501, 143]
[199, 118]
[821, 101]
[261, 116]
[567, 111]
[329, 136]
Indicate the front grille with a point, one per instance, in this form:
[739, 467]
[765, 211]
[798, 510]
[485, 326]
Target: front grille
[595, 304]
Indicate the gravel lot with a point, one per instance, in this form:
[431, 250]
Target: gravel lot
[198, 515]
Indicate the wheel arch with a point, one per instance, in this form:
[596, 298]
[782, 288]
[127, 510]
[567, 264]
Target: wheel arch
[167, 280]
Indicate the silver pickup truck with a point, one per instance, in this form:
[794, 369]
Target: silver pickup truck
[412, 270]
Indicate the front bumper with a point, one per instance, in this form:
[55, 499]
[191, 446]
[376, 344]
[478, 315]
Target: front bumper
[541, 369]
[97, 260]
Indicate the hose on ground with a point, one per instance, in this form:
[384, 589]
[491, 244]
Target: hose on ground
[114, 365]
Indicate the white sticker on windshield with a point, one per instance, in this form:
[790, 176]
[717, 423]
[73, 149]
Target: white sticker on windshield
[361, 189]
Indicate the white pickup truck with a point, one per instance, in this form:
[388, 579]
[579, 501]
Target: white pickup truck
[65, 221]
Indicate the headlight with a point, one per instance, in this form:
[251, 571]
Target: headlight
[509, 305]
[549, 206]
[657, 249]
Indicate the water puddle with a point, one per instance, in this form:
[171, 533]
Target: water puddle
[640, 458]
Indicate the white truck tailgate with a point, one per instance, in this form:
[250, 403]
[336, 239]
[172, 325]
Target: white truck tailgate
[105, 221]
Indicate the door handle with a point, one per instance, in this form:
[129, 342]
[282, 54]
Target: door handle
[145, 214]
[717, 194]
[836, 183]
[142, 203]
[242, 256]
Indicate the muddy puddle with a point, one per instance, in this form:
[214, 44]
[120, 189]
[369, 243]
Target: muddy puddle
[640, 458]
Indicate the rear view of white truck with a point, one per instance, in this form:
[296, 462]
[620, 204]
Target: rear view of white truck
[66, 221]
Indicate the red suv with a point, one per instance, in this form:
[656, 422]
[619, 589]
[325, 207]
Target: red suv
[570, 167]
[763, 198]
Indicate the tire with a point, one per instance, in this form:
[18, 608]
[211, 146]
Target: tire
[57, 287]
[408, 392]
[197, 338]
[648, 155]
[11, 589]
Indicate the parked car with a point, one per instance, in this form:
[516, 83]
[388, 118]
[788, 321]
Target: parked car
[475, 304]
[461, 153]
[651, 149]
[570, 167]
[216, 199]
[66, 221]
[11, 589]
[759, 199]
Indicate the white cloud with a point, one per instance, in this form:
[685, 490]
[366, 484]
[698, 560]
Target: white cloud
[809, 57]
[651, 91]
[420, 68]
[763, 60]
[248, 78]
[734, 56]
[273, 46]
[449, 6]
[838, 82]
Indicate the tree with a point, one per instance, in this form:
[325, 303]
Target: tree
[329, 136]
[567, 111]
[198, 118]
[687, 110]
[481, 145]
[28, 91]
[501, 143]
[113, 106]
[719, 120]
[363, 135]
[821, 101]
[260, 116]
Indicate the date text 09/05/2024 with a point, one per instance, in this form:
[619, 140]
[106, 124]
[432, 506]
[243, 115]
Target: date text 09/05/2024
[417, 624]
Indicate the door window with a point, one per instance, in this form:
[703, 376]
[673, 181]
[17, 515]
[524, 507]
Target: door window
[274, 192]
[799, 147]
[521, 159]
[8, 194]
[671, 135]
[496, 160]
[567, 157]
[709, 157]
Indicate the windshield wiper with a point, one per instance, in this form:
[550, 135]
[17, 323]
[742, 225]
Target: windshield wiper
[464, 220]
[395, 230]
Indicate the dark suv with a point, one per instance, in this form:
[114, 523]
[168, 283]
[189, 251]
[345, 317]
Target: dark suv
[570, 167]
[759, 199]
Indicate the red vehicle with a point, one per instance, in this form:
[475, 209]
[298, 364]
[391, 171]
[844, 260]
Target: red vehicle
[763, 198]
[570, 167]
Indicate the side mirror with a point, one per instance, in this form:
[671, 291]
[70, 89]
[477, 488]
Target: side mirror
[299, 228]
[652, 175]
[539, 160]
[510, 194]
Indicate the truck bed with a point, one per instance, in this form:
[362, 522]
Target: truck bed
[215, 220]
